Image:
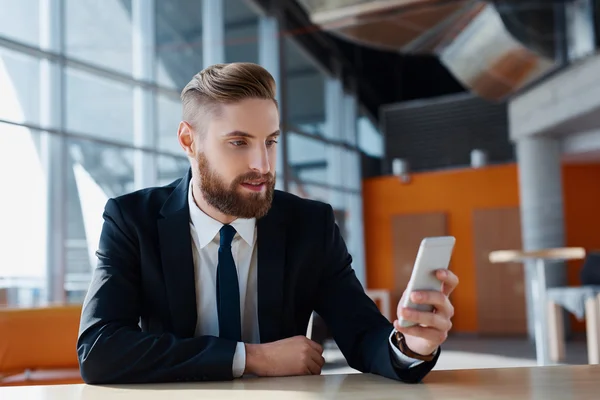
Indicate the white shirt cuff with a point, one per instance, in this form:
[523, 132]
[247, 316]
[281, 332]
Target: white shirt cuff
[402, 360]
[239, 360]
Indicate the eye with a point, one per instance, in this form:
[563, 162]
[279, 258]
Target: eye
[238, 143]
[271, 142]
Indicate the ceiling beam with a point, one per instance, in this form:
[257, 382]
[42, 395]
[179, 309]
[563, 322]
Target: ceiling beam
[321, 46]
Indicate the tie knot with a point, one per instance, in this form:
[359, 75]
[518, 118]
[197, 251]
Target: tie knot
[227, 234]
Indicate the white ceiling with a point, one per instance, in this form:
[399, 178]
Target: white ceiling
[583, 147]
[590, 157]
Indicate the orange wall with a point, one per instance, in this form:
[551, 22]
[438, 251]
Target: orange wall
[582, 216]
[458, 193]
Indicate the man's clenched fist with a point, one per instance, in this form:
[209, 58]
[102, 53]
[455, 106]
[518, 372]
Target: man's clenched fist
[293, 356]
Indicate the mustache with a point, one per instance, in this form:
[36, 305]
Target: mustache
[255, 176]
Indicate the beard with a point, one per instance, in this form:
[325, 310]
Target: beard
[228, 199]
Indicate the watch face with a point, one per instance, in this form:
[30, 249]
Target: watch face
[401, 344]
[399, 337]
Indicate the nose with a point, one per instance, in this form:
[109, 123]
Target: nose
[260, 161]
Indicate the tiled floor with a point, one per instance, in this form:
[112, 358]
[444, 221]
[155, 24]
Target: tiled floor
[469, 353]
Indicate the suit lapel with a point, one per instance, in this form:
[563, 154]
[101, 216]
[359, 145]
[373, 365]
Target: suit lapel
[177, 261]
[271, 242]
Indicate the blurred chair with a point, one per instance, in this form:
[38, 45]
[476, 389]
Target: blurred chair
[582, 301]
[38, 346]
[538, 287]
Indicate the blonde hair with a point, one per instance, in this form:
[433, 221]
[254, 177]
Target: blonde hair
[225, 84]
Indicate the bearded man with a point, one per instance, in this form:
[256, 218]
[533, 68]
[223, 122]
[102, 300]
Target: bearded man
[215, 276]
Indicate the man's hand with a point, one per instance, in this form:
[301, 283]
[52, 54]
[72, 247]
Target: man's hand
[432, 327]
[293, 356]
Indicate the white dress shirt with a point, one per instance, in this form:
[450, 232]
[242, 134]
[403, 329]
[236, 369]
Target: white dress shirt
[205, 233]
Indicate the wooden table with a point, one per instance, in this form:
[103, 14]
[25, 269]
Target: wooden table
[538, 287]
[539, 383]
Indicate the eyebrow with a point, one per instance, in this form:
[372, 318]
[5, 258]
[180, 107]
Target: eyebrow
[247, 135]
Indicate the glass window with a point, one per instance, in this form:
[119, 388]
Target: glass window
[279, 180]
[307, 158]
[99, 107]
[347, 209]
[168, 118]
[100, 32]
[341, 210]
[314, 161]
[95, 173]
[306, 102]
[352, 170]
[171, 169]
[353, 232]
[241, 32]
[305, 91]
[23, 227]
[19, 20]
[370, 139]
[308, 191]
[19, 87]
[178, 41]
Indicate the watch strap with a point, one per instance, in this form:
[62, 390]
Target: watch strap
[403, 347]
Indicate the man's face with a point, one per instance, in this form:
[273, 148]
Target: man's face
[237, 156]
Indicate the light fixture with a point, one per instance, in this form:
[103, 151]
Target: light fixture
[400, 169]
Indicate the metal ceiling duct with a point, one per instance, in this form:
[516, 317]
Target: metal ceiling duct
[494, 49]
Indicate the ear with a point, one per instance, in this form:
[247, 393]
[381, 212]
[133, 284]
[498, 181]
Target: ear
[187, 139]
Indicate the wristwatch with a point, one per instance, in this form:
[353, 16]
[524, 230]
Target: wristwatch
[400, 342]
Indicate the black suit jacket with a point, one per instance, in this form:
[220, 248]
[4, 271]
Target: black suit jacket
[139, 316]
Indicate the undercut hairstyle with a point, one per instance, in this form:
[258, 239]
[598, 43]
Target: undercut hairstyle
[221, 84]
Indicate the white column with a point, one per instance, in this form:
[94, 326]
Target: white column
[352, 158]
[213, 32]
[144, 101]
[541, 198]
[334, 115]
[268, 48]
[269, 57]
[542, 217]
[53, 148]
[354, 181]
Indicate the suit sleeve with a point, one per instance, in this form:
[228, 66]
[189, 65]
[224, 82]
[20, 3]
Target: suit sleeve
[112, 348]
[358, 327]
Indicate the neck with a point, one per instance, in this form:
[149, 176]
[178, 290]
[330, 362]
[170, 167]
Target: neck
[207, 208]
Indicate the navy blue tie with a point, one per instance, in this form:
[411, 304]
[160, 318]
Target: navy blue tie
[228, 290]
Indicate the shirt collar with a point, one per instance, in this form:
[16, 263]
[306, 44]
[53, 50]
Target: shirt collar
[207, 227]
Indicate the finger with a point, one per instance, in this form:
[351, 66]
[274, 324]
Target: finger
[430, 334]
[428, 319]
[313, 367]
[316, 346]
[318, 358]
[436, 299]
[449, 280]
[432, 297]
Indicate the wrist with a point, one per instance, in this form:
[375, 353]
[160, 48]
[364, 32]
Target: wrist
[414, 350]
[253, 359]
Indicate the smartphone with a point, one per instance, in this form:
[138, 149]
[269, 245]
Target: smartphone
[434, 254]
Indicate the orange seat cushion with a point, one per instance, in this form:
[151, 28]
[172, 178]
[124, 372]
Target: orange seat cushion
[38, 339]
